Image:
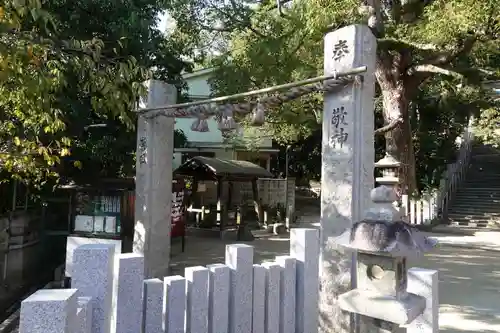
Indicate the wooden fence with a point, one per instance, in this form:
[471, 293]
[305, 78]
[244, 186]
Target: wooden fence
[110, 294]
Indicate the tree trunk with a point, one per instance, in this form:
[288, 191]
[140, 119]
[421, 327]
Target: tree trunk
[399, 140]
[397, 89]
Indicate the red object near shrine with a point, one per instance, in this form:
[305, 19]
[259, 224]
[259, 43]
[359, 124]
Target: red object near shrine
[178, 214]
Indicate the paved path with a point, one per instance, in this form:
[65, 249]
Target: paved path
[469, 289]
[469, 274]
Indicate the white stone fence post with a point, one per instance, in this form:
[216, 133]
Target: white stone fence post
[110, 294]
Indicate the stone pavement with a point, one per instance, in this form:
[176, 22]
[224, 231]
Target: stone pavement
[469, 273]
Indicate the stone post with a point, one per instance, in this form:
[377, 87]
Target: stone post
[239, 258]
[304, 247]
[49, 311]
[129, 293]
[347, 163]
[84, 315]
[153, 183]
[153, 320]
[93, 275]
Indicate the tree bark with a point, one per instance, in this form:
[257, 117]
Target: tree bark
[398, 141]
[397, 90]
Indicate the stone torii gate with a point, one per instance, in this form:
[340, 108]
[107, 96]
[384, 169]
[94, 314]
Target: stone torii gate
[347, 182]
[155, 150]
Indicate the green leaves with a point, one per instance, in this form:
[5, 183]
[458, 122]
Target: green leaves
[431, 46]
[67, 65]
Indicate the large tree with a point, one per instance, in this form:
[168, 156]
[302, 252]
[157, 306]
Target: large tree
[417, 41]
[68, 65]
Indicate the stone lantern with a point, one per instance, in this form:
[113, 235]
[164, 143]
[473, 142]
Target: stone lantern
[383, 243]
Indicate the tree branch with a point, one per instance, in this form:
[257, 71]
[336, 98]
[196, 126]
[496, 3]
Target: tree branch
[239, 21]
[397, 44]
[431, 65]
[59, 46]
[434, 69]
[464, 46]
[392, 125]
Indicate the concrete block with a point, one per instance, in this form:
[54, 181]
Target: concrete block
[74, 242]
[425, 283]
[84, 315]
[304, 247]
[218, 297]
[49, 311]
[287, 293]
[273, 301]
[259, 299]
[197, 299]
[153, 317]
[175, 304]
[93, 274]
[239, 258]
[129, 293]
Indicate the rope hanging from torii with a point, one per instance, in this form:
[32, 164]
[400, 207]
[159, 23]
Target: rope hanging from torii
[224, 113]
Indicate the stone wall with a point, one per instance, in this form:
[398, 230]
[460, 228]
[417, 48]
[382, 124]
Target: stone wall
[19, 247]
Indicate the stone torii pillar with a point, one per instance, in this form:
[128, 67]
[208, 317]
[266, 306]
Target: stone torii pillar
[153, 183]
[348, 156]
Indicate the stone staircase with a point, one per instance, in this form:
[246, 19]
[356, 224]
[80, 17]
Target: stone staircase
[477, 202]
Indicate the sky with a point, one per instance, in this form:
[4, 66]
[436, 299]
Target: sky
[165, 22]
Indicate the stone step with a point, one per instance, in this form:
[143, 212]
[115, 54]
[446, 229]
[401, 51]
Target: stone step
[493, 182]
[483, 181]
[473, 219]
[480, 214]
[476, 218]
[448, 228]
[481, 175]
[486, 162]
[483, 171]
[484, 154]
[483, 165]
[475, 199]
[476, 203]
[484, 157]
[471, 224]
[479, 190]
[484, 168]
[469, 210]
[487, 167]
[491, 186]
[480, 158]
[476, 195]
[466, 210]
[471, 195]
[478, 151]
[474, 208]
